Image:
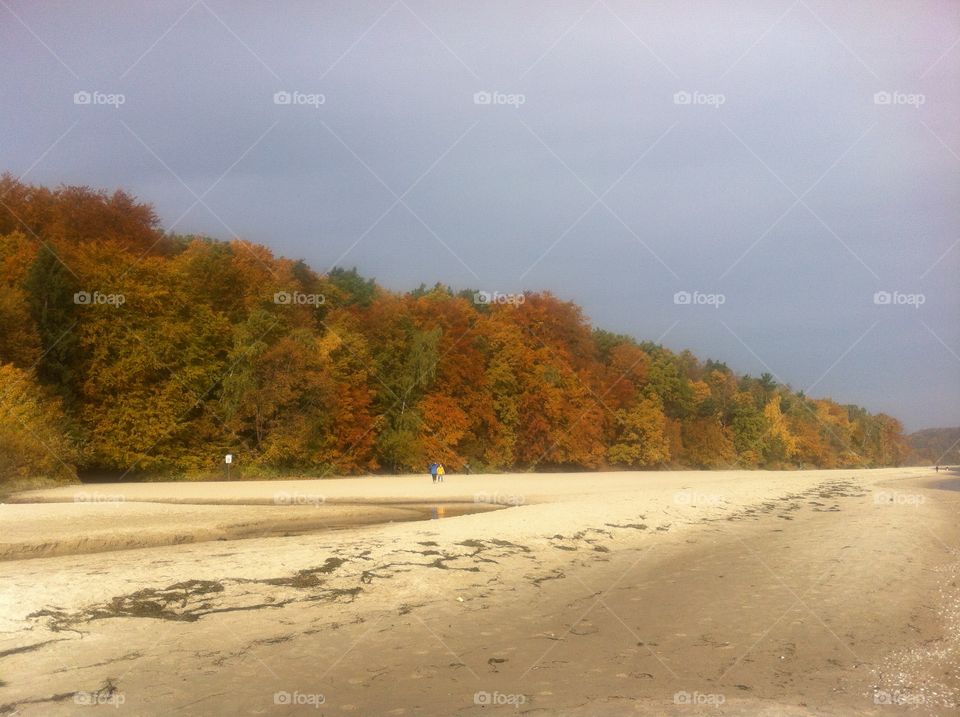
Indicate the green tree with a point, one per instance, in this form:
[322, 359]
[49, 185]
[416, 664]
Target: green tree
[50, 289]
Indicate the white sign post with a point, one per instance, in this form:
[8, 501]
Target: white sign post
[228, 459]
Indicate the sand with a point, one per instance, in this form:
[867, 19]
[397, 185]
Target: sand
[48, 529]
[733, 592]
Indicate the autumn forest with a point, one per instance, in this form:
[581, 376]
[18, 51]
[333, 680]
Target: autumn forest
[128, 351]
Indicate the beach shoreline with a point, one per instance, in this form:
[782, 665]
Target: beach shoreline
[642, 586]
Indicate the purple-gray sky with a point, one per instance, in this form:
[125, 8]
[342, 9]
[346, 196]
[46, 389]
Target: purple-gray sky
[628, 151]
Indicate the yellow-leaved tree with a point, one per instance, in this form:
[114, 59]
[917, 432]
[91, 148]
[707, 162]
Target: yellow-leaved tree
[778, 429]
[641, 439]
[33, 443]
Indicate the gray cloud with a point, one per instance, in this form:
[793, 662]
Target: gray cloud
[706, 196]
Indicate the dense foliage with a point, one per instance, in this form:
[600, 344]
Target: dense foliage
[935, 446]
[127, 349]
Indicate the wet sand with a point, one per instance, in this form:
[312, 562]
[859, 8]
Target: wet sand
[96, 526]
[816, 592]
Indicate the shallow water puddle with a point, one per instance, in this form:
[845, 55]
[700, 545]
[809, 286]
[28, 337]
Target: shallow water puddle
[947, 484]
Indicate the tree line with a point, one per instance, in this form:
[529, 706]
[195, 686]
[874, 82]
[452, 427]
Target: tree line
[130, 350]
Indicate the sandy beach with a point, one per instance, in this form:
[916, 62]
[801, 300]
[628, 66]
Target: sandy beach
[728, 592]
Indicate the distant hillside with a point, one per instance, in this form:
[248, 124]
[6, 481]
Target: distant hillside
[935, 445]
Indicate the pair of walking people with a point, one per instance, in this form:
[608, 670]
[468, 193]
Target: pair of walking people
[437, 472]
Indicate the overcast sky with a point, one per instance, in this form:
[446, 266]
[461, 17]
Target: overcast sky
[612, 152]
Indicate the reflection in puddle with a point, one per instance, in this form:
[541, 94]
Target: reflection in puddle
[408, 512]
[947, 484]
[427, 511]
[430, 511]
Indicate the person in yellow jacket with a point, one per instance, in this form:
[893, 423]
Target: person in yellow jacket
[440, 473]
